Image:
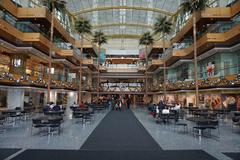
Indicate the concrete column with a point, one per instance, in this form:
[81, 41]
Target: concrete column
[15, 98]
[53, 96]
[72, 97]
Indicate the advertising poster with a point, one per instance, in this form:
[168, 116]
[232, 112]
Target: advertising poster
[216, 101]
[103, 56]
[142, 54]
[238, 103]
[229, 101]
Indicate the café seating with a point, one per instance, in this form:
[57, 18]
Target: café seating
[54, 125]
[36, 123]
[206, 125]
[235, 121]
[181, 121]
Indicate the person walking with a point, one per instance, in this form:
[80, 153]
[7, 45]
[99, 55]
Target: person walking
[128, 103]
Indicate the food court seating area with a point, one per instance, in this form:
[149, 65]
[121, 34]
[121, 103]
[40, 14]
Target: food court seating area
[199, 122]
[50, 120]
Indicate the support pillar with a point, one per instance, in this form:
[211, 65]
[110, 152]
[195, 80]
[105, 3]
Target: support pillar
[72, 97]
[53, 96]
[15, 98]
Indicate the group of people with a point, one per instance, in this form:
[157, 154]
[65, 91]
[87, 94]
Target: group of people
[52, 107]
[117, 104]
[163, 108]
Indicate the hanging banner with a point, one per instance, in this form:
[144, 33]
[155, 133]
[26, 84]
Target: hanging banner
[142, 53]
[103, 55]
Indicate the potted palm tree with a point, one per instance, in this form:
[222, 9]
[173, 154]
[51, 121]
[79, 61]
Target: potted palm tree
[146, 40]
[194, 6]
[99, 38]
[52, 5]
[164, 27]
[82, 26]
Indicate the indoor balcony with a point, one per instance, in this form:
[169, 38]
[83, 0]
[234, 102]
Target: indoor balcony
[224, 35]
[33, 81]
[227, 77]
[91, 63]
[208, 15]
[27, 34]
[37, 14]
[154, 64]
[122, 68]
[141, 69]
[157, 48]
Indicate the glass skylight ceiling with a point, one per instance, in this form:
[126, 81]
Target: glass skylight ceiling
[122, 21]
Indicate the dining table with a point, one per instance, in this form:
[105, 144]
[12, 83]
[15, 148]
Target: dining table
[54, 113]
[47, 118]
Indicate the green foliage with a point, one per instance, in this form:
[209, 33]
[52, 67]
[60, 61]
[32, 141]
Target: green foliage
[162, 25]
[83, 26]
[193, 5]
[146, 39]
[99, 38]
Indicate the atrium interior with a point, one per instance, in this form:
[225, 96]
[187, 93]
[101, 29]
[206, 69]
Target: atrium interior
[119, 79]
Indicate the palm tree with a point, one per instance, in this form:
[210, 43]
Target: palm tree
[194, 6]
[146, 40]
[99, 38]
[83, 27]
[163, 26]
[60, 5]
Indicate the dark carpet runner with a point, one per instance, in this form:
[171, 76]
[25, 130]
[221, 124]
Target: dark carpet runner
[6, 152]
[233, 155]
[120, 130]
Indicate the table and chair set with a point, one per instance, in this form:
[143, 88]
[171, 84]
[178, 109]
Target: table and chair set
[203, 121]
[47, 124]
[83, 114]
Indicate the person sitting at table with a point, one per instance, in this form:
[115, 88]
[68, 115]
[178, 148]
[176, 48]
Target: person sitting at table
[165, 111]
[157, 112]
[161, 105]
[51, 106]
[82, 105]
[176, 107]
[45, 108]
[56, 108]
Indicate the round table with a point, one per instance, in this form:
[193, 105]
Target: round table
[47, 118]
[199, 119]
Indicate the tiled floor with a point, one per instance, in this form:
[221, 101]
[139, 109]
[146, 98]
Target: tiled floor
[73, 134]
[169, 140]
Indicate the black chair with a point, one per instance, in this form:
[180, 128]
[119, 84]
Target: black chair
[54, 125]
[181, 121]
[36, 123]
[235, 121]
[87, 118]
[2, 123]
[213, 125]
[201, 126]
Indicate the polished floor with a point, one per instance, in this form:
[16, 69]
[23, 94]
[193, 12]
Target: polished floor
[74, 134]
[169, 139]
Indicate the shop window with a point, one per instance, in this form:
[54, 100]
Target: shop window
[1, 14]
[10, 19]
[226, 67]
[17, 62]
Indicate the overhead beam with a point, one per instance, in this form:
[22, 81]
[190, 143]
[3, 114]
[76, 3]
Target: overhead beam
[123, 24]
[101, 8]
[127, 36]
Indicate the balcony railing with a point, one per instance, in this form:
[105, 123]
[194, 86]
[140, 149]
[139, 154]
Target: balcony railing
[122, 66]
